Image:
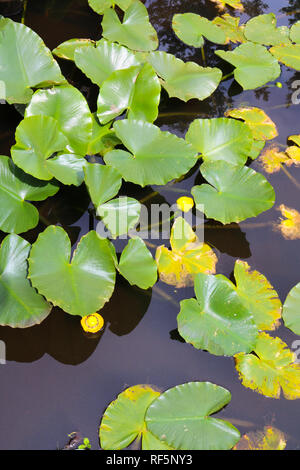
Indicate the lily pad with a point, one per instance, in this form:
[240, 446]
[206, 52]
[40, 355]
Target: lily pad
[179, 266]
[181, 417]
[192, 29]
[135, 32]
[25, 62]
[120, 215]
[137, 264]
[236, 194]
[156, 156]
[103, 182]
[236, 4]
[80, 286]
[294, 150]
[231, 28]
[263, 30]
[268, 439]
[255, 66]
[221, 139]
[295, 32]
[272, 160]
[291, 310]
[184, 80]
[17, 215]
[67, 168]
[288, 55]
[99, 6]
[66, 50]
[218, 321]
[21, 305]
[271, 370]
[261, 125]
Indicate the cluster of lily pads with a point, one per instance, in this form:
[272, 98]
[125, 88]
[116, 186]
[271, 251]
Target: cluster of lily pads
[61, 142]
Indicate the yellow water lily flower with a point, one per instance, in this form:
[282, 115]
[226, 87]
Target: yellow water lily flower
[290, 226]
[92, 323]
[185, 204]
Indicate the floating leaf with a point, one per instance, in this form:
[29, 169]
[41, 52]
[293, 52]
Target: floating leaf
[150, 442]
[21, 305]
[258, 295]
[103, 182]
[67, 168]
[184, 80]
[136, 89]
[262, 127]
[120, 215]
[191, 28]
[255, 66]
[268, 439]
[236, 4]
[221, 139]
[290, 226]
[81, 286]
[271, 369]
[103, 139]
[37, 139]
[157, 157]
[218, 321]
[273, 158]
[291, 311]
[137, 264]
[231, 28]
[68, 106]
[124, 419]
[288, 55]
[135, 32]
[235, 194]
[256, 149]
[181, 418]
[295, 32]
[294, 151]
[188, 257]
[100, 61]
[263, 30]
[25, 62]
[66, 50]
[99, 6]
[16, 188]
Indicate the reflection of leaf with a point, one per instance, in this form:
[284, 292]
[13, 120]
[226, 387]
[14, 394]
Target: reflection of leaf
[288, 55]
[262, 29]
[221, 139]
[188, 256]
[184, 80]
[81, 286]
[262, 127]
[272, 159]
[235, 194]
[268, 439]
[218, 321]
[66, 50]
[181, 417]
[255, 66]
[231, 27]
[290, 226]
[21, 305]
[259, 296]
[191, 28]
[271, 369]
[291, 310]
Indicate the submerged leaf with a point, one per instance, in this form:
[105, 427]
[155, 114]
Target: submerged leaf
[191, 28]
[290, 226]
[188, 257]
[137, 264]
[288, 55]
[271, 370]
[21, 305]
[263, 30]
[268, 439]
[273, 158]
[291, 314]
[262, 127]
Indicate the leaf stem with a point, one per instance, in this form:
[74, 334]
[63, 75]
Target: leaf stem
[227, 76]
[203, 56]
[24, 11]
[291, 178]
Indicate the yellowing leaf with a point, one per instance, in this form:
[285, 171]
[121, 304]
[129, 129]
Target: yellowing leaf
[294, 151]
[230, 26]
[263, 128]
[188, 257]
[271, 370]
[272, 160]
[222, 4]
[268, 439]
[290, 226]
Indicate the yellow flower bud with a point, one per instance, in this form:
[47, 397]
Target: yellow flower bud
[92, 323]
[185, 204]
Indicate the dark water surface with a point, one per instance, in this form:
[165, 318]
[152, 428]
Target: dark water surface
[57, 380]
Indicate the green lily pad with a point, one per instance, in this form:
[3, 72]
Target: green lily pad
[288, 55]
[99, 6]
[184, 80]
[236, 193]
[81, 286]
[17, 215]
[136, 89]
[103, 182]
[137, 264]
[120, 215]
[221, 139]
[37, 139]
[103, 138]
[135, 32]
[192, 29]
[218, 320]
[291, 311]
[21, 305]
[295, 32]
[100, 61]
[67, 168]
[157, 157]
[257, 147]
[181, 418]
[25, 62]
[255, 66]
[68, 106]
[263, 30]
[66, 50]
[231, 27]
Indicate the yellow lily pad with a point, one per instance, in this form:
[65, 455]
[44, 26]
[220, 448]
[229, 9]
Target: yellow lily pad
[231, 27]
[294, 150]
[236, 4]
[269, 439]
[272, 160]
[263, 128]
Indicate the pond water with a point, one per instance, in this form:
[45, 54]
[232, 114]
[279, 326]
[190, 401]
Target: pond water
[56, 379]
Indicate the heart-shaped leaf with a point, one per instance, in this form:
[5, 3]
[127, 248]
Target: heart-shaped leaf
[137, 264]
[221, 139]
[21, 305]
[181, 417]
[156, 157]
[25, 62]
[81, 286]
[231, 27]
[120, 215]
[291, 312]
[255, 66]
[236, 193]
[263, 30]
[67, 168]
[184, 80]
[66, 50]
[262, 127]
[191, 28]
[16, 188]
[218, 320]
[288, 55]
[135, 32]
[103, 182]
